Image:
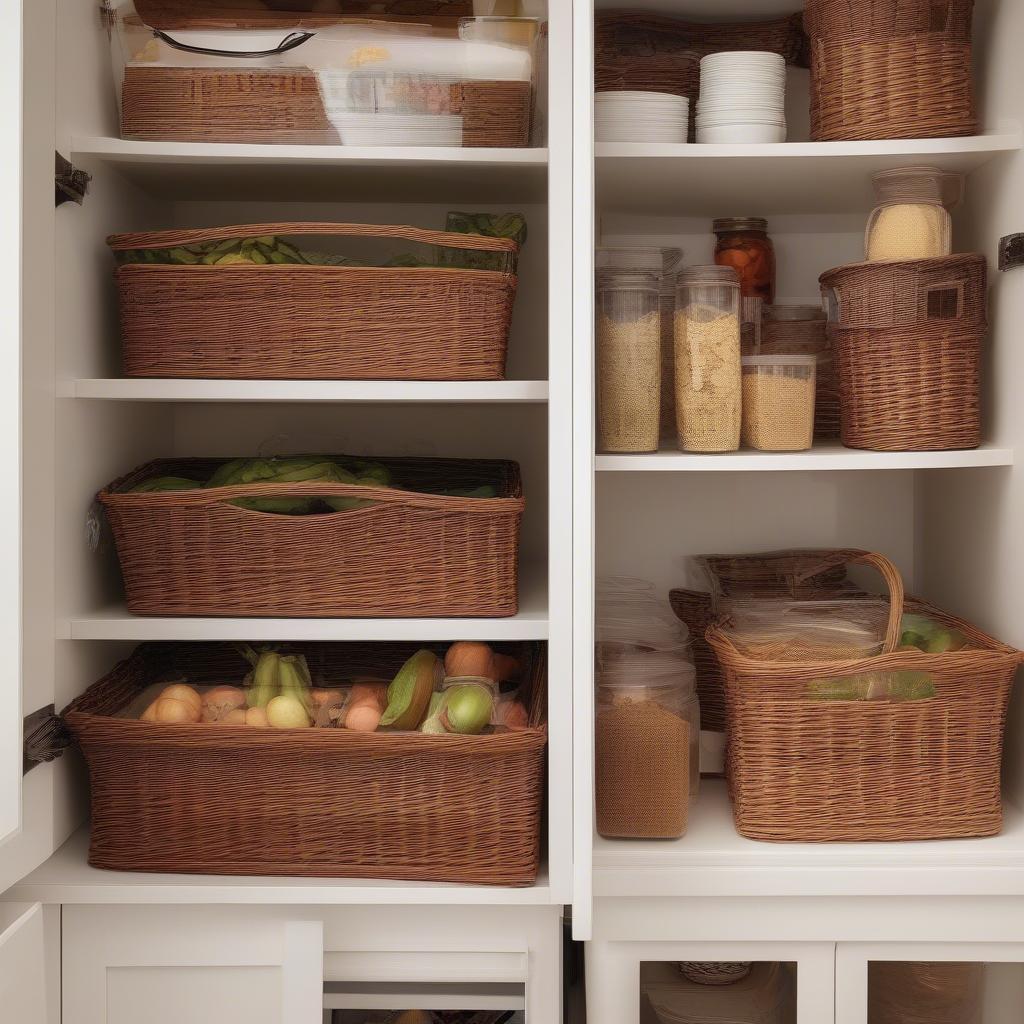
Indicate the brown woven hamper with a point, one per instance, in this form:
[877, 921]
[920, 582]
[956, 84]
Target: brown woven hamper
[907, 345]
[805, 770]
[409, 554]
[890, 69]
[315, 322]
[238, 800]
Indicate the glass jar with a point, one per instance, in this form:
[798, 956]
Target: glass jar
[628, 334]
[744, 245]
[801, 330]
[911, 220]
[707, 346]
[647, 745]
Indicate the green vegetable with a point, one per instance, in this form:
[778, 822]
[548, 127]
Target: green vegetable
[894, 686]
[410, 691]
[166, 483]
[930, 636]
[467, 709]
[432, 723]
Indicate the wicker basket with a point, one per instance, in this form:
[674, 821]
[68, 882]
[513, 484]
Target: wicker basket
[315, 322]
[805, 770]
[695, 609]
[322, 802]
[651, 52]
[409, 554]
[882, 69]
[907, 344]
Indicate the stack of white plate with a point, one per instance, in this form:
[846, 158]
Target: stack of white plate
[742, 98]
[629, 116]
[359, 129]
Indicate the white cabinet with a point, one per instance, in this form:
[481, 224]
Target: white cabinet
[287, 965]
[29, 963]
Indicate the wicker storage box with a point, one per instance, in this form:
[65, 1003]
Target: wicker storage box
[889, 69]
[295, 321]
[409, 554]
[232, 75]
[840, 770]
[238, 800]
[907, 337]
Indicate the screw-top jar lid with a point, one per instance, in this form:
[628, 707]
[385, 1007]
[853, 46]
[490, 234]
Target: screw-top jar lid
[711, 274]
[789, 314]
[647, 259]
[627, 280]
[726, 224]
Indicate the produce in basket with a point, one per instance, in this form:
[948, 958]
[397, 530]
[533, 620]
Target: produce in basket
[894, 686]
[929, 636]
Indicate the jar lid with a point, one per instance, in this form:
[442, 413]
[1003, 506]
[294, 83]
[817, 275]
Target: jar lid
[643, 258]
[726, 224]
[781, 314]
[645, 671]
[626, 280]
[709, 274]
[780, 360]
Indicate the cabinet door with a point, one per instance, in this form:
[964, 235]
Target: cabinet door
[204, 965]
[28, 994]
[884, 983]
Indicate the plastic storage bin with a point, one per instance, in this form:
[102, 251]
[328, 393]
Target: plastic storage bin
[707, 346]
[801, 330]
[628, 332]
[778, 402]
[306, 78]
[238, 800]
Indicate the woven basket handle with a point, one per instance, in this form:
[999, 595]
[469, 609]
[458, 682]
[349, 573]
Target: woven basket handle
[209, 496]
[448, 239]
[893, 581]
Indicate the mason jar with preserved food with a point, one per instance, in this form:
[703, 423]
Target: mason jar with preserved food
[744, 245]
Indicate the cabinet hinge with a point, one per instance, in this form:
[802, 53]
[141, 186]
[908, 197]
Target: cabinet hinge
[1011, 251]
[46, 737]
[71, 183]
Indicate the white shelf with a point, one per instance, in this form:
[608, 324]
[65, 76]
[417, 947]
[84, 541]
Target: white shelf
[67, 878]
[713, 860]
[209, 171]
[384, 391]
[820, 458]
[785, 177]
[115, 622]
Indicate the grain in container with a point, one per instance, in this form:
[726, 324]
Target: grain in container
[911, 219]
[628, 331]
[778, 402]
[707, 347]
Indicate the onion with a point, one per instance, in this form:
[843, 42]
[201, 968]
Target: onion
[220, 701]
[511, 713]
[363, 717]
[323, 697]
[169, 710]
[235, 717]
[257, 717]
[469, 658]
[184, 693]
[287, 712]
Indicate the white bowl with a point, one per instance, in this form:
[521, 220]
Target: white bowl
[741, 134]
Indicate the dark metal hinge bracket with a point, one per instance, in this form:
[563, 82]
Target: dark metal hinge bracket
[71, 183]
[1011, 252]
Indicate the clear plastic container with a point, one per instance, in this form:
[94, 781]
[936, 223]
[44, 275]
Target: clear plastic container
[308, 77]
[628, 333]
[647, 745]
[911, 220]
[707, 349]
[630, 616]
[778, 402]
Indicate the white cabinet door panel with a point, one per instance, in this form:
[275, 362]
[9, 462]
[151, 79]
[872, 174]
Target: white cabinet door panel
[26, 995]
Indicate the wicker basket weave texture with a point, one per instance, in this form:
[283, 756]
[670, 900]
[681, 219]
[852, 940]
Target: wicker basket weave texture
[315, 322]
[907, 347]
[317, 802]
[410, 554]
[889, 69]
[802, 770]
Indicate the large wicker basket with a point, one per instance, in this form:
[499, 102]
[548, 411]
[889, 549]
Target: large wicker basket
[907, 340]
[409, 554]
[307, 322]
[238, 800]
[806, 770]
[890, 69]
